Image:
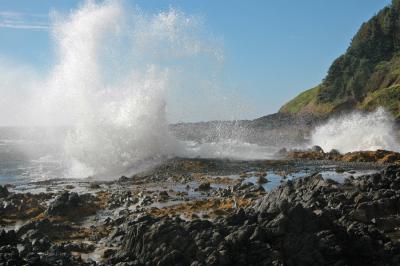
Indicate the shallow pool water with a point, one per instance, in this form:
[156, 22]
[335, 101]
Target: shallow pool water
[275, 179]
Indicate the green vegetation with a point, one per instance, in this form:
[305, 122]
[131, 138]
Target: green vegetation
[305, 102]
[388, 97]
[300, 102]
[365, 76]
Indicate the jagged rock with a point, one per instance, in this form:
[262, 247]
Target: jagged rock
[204, 186]
[296, 236]
[317, 148]
[380, 156]
[163, 194]
[73, 205]
[79, 247]
[145, 200]
[334, 152]
[4, 192]
[304, 221]
[123, 179]
[94, 185]
[308, 221]
[122, 198]
[262, 180]
[8, 237]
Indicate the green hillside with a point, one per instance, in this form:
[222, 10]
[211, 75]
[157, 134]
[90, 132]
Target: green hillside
[366, 76]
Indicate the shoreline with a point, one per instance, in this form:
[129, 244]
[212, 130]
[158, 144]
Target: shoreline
[89, 222]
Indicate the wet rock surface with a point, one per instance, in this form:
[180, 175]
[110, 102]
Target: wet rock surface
[316, 153]
[72, 204]
[161, 217]
[310, 221]
[15, 207]
[3, 191]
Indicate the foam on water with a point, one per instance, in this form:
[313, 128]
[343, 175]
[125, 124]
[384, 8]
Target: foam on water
[229, 148]
[358, 131]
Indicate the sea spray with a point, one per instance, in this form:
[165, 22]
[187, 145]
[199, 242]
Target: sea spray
[358, 131]
[110, 128]
[118, 115]
[118, 73]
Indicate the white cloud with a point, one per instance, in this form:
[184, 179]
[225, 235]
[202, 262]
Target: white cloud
[23, 26]
[25, 21]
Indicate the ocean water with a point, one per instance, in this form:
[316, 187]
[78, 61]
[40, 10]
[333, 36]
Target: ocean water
[30, 154]
[115, 71]
[41, 153]
[116, 74]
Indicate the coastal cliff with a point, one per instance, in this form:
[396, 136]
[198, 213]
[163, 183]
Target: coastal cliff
[365, 77]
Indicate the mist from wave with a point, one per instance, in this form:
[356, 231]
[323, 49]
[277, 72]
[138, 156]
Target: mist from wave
[111, 84]
[358, 131]
[117, 76]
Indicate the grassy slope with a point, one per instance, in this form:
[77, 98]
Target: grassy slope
[387, 97]
[306, 102]
[300, 102]
[365, 77]
[385, 92]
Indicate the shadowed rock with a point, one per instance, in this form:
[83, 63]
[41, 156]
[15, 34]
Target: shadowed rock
[73, 205]
[3, 192]
[308, 221]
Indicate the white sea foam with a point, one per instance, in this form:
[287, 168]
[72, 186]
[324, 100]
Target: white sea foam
[229, 148]
[358, 131]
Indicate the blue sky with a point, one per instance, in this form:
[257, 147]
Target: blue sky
[273, 49]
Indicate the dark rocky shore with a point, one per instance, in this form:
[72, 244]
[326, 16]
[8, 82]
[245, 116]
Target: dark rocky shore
[186, 212]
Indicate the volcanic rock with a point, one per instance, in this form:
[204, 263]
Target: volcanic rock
[73, 205]
[3, 192]
[204, 186]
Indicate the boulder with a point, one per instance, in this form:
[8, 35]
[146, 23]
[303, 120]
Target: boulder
[317, 148]
[72, 204]
[3, 192]
[204, 186]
